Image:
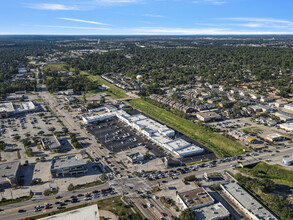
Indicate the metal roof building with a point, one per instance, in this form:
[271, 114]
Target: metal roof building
[253, 208]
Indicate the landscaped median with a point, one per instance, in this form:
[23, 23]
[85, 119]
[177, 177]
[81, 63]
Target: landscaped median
[115, 205]
[220, 145]
[98, 182]
[12, 201]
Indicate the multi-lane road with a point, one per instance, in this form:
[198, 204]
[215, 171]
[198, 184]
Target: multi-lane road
[123, 186]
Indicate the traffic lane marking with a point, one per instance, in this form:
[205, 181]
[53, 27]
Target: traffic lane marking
[40, 203]
[149, 209]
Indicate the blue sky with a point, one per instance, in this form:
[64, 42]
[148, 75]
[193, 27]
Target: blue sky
[146, 17]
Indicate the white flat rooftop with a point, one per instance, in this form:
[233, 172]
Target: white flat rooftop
[275, 135]
[190, 150]
[179, 143]
[6, 107]
[248, 202]
[88, 213]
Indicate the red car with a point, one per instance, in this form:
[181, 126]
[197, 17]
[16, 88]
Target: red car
[48, 207]
[163, 214]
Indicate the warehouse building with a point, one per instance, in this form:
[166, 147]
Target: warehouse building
[288, 161]
[68, 166]
[195, 198]
[9, 174]
[247, 203]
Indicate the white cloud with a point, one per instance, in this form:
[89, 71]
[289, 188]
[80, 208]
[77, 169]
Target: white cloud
[115, 2]
[54, 7]
[194, 31]
[72, 27]
[211, 2]
[153, 16]
[263, 20]
[175, 31]
[83, 21]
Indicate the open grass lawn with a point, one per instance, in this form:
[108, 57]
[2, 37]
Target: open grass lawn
[215, 141]
[252, 130]
[276, 173]
[114, 91]
[122, 210]
[55, 67]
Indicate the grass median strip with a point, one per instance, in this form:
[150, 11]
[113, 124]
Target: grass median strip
[220, 145]
[12, 201]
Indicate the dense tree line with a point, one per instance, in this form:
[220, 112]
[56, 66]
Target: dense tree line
[19, 85]
[216, 64]
[78, 83]
[262, 189]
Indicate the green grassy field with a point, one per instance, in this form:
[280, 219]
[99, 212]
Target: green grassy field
[114, 92]
[55, 67]
[220, 145]
[276, 173]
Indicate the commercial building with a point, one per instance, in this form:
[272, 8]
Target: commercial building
[69, 92]
[154, 131]
[275, 137]
[69, 98]
[88, 213]
[247, 203]
[284, 116]
[208, 116]
[251, 140]
[280, 104]
[261, 108]
[195, 198]
[68, 166]
[287, 126]
[288, 161]
[6, 109]
[288, 107]
[266, 99]
[213, 212]
[25, 107]
[14, 97]
[9, 174]
[50, 143]
[135, 158]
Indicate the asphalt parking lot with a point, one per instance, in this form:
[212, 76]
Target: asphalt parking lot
[117, 136]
